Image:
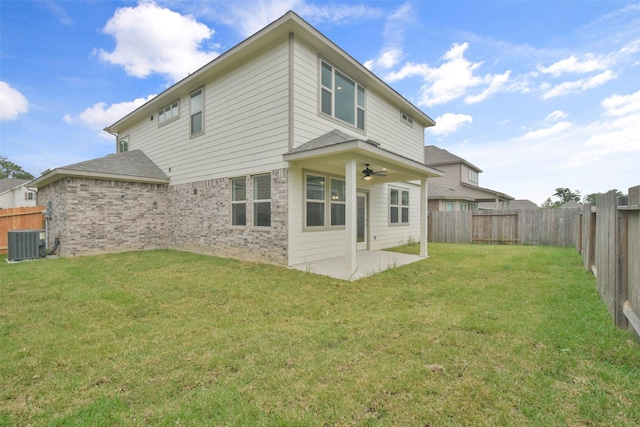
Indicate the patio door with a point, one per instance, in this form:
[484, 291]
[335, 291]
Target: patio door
[362, 223]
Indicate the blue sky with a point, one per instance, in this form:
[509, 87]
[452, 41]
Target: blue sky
[538, 94]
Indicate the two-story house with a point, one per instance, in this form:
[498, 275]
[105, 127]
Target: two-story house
[459, 188]
[284, 149]
[14, 193]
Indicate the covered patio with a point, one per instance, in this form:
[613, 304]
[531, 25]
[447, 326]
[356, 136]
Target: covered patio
[349, 157]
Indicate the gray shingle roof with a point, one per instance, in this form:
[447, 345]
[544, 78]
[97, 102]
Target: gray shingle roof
[334, 137]
[7, 184]
[438, 156]
[132, 163]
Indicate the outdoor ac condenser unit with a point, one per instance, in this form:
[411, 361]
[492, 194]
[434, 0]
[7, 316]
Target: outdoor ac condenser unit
[26, 244]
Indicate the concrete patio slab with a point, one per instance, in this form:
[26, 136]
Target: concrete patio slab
[369, 263]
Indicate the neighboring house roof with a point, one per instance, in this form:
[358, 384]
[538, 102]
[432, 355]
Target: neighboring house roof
[289, 23]
[7, 184]
[516, 205]
[130, 166]
[434, 156]
[437, 191]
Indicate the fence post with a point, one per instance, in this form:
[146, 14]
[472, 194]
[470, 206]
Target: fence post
[622, 283]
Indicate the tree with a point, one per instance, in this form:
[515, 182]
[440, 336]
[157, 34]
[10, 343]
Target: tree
[11, 170]
[566, 195]
[591, 198]
[548, 204]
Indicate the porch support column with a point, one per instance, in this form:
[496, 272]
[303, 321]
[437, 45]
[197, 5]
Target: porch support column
[351, 218]
[424, 212]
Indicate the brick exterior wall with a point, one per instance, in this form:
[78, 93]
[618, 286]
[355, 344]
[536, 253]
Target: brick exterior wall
[200, 221]
[93, 216]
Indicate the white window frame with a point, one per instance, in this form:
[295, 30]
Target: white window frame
[447, 204]
[256, 201]
[400, 206]
[123, 144]
[169, 113]
[328, 201]
[360, 97]
[193, 112]
[406, 119]
[473, 176]
[238, 202]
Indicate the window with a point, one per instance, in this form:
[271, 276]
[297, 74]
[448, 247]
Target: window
[29, 196]
[239, 201]
[196, 107]
[169, 113]
[123, 145]
[315, 196]
[449, 207]
[341, 97]
[325, 208]
[406, 119]
[262, 201]
[473, 176]
[398, 206]
[464, 206]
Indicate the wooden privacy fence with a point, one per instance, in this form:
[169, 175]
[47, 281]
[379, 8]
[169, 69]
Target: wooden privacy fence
[24, 218]
[545, 227]
[610, 248]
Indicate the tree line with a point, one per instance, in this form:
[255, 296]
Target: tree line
[564, 195]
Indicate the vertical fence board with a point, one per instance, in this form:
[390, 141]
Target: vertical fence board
[633, 253]
[606, 262]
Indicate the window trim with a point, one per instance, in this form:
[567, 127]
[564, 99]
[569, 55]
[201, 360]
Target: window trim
[126, 141]
[238, 202]
[400, 206]
[406, 119]
[472, 175]
[358, 88]
[327, 201]
[170, 107]
[192, 114]
[255, 201]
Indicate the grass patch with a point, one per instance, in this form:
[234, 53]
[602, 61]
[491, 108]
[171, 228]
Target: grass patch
[475, 335]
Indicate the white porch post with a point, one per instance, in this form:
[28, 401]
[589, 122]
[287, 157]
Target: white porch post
[424, 212]
[351, 218]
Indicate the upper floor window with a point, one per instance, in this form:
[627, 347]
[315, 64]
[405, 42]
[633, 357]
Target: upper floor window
[196, 110]
[123, 145]
[169, 113]
[341, 97]
[449, 206]
[262, 201]
[473, 176]
[398, 206]
[29, 196]
[406, 119]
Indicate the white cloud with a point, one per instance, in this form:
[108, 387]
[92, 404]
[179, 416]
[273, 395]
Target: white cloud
[394, 33]
[556, 115]
[449, 123]
[99, 115]
[577, 86]
[452, 79]
[547, 132]
[588, 63]
[12, 103]
[618, 105]
[151, 39]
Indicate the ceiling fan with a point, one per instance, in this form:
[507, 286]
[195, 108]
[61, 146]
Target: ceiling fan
[368, 174]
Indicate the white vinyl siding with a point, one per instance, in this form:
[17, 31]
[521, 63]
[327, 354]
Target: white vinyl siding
[382, 123]
[245, 124]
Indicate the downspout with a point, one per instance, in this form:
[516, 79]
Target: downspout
[108, 130]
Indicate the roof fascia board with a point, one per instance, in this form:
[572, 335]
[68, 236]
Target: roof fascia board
[60, 173]
[363, 146]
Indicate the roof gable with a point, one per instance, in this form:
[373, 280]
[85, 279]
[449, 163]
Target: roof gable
[7, 184]
[438, 156]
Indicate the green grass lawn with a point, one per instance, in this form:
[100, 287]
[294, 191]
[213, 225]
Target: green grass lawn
[475, 335]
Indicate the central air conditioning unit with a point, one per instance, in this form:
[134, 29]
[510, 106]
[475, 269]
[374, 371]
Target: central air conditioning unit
[26, 244]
